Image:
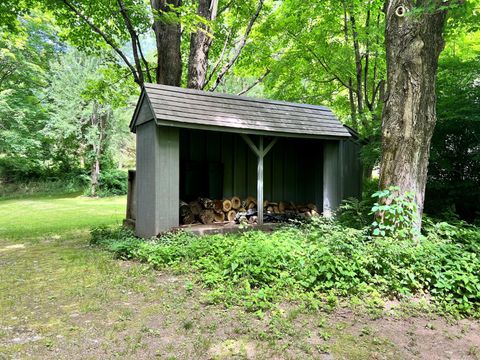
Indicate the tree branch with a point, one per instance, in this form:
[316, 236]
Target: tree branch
[145, 62]
[239, 48]
[105, 37]
[134, 40]
[224, 8]
[217, 64]
[135, 43]
[258, 81]
[367, 58]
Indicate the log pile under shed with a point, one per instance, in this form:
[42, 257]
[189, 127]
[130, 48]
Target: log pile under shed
[235, 210]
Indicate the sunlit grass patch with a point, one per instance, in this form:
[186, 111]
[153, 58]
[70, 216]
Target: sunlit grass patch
[28, 218]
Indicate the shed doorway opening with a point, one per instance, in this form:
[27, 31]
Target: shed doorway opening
[217, 167]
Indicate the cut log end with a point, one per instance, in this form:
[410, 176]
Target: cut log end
[236, 203]
[226, 205]
[231, 215]
[219, 216]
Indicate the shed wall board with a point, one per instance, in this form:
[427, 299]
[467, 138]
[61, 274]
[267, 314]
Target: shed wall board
[158, 176]
[332, 177]
[352, 169]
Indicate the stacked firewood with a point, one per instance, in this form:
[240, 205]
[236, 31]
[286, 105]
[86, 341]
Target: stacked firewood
[208, 211]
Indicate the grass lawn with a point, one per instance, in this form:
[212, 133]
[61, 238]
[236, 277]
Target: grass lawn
[54, 215]
[61, 298]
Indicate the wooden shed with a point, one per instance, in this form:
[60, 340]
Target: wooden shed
[192, 143]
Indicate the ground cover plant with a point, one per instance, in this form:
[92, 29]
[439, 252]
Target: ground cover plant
[319, 263]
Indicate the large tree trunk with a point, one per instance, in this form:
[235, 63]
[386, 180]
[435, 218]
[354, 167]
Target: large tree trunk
[413, 44]
[168, 37]
[200, 43]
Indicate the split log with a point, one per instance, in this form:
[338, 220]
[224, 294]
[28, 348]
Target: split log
[242, 210]
[231, 215]
[207, 216]
[265, 203]
[281, 207]
[292, 206]
[184, 208]
[269, 209]
[226, 205]
[236, 203]
[186, 215]
[207, 203]
[312, 207]
[188, 219]
[253, 219]
[195, 207]
[252, 205]
[217, 206]
[251, 199]
[276, 210]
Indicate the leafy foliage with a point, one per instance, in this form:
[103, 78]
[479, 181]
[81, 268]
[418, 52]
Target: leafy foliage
[454, 170]
[113, 182]
[395, 214]
[317, 262]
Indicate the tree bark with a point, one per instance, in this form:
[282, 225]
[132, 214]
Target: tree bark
[97, 121]
[200, 42]
[168, 38]
[413, 45]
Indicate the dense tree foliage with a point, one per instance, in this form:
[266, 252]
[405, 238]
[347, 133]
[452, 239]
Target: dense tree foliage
[454, 171]
[331, 52]
[25, 56]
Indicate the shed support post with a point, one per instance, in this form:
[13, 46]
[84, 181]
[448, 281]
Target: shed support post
[260, 151]
[332, 177]
[260, 182]
[158, 174]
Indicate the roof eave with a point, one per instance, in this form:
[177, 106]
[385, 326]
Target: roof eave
[249, 131]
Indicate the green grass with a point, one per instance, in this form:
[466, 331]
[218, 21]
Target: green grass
[54, 215]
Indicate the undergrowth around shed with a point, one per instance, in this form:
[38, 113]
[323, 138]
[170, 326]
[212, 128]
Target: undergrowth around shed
[319, 264]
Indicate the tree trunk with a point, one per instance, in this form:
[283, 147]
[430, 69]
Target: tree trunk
[413, 44]
[94, 175]
[200, 43]
[168, 38]
[96, 122]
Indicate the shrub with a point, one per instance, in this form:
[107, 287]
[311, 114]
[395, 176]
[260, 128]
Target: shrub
[317, 260]
[52, 187]
[113, 182]
[355, 213]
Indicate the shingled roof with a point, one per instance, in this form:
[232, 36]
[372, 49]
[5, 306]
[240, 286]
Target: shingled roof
[187, 108]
